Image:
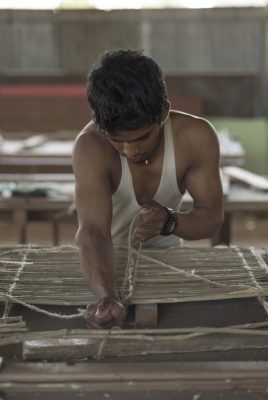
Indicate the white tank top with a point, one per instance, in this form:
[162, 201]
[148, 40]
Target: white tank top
[125, 205]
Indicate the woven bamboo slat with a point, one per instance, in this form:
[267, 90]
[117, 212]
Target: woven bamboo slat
[12, 325]
[40, 275]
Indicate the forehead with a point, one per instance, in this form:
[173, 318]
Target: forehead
[128, 136]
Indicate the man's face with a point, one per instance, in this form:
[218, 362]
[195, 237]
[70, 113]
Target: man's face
[138, 145]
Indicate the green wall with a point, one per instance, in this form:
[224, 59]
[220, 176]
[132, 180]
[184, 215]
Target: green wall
[253, 134]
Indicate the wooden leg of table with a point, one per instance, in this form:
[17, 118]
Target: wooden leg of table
[224, 235]
[55, 227]
[20, 219]
[146, 315]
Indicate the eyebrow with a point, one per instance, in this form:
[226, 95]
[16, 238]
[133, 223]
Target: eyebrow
[134, 140]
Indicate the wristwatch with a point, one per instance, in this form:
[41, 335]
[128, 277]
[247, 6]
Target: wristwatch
[171, 222]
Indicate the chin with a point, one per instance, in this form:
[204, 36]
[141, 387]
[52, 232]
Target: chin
[138, 160]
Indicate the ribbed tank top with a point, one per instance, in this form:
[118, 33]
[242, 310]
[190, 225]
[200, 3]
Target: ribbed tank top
[125, 205]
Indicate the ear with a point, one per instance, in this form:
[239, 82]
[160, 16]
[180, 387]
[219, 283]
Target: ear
[166, 113]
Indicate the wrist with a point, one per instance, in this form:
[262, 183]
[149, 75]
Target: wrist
[171, 222]
[103, 293]
[112, 301]
[112, 298]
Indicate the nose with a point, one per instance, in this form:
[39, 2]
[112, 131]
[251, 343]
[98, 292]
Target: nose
[129, 150]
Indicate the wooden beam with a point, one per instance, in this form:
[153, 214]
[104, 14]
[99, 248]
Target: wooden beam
[134, 377]
[113, 345]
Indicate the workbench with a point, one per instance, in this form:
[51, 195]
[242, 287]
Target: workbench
[20, 210]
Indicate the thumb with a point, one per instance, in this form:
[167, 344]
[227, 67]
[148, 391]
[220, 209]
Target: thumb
[146, 208]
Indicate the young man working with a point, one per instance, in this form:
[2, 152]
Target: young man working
[138, 157]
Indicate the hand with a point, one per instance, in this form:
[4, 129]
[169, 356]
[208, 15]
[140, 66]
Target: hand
[151, 221]
[106, 313]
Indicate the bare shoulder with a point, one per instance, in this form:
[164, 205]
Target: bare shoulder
[89, 141]
[195, 135]
[91, 148]
[189, 127]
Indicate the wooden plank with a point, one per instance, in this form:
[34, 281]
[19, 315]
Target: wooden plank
[14, 319]
[140, 371]
[36, 178]
[251, 179]
[111, 346]
[129, 377]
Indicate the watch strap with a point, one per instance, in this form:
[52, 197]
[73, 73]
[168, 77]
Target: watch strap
[171, 222]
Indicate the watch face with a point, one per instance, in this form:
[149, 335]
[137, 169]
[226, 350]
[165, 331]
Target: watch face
[171, 226]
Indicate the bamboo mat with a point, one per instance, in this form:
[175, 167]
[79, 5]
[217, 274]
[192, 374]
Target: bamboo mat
[52, 276]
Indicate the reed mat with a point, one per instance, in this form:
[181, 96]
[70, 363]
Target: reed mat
[52, 275]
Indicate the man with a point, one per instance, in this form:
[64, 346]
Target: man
[138, 156]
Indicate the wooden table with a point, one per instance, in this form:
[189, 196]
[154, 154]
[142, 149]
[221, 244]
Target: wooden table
[58, 164]
[35, 178]
[51, 156]
[54, 154]
[241, 200]
[23, 209]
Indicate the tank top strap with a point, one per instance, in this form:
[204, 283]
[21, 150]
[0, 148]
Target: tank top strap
[168, 192]
[169, 163]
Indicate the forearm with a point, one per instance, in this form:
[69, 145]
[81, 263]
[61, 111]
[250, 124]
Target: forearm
[198, 224]
[96, 258]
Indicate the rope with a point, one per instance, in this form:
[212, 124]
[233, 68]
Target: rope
[192, 274]
[41, 310]
[129, 281]
[127, 289]
[16, 279]
[128, 285]
[261, 296]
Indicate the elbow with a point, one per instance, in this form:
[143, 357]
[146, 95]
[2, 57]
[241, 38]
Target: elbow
[88, 235]
[80, 237]
[216, 222]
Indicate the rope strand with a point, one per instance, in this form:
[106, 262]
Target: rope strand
[128, 286]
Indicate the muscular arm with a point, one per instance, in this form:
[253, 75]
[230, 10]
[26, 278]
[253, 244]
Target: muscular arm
[202, 182]
[204, 185]
[94, 209]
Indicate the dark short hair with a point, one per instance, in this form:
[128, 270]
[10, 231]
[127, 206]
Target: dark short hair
[126, 90]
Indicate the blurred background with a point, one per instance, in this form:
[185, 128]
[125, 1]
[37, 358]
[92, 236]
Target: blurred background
[214, 54]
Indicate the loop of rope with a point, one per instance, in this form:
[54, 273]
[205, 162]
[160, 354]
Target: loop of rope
[128, 285]
[129, 281]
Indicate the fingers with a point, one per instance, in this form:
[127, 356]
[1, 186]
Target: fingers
[119, 314]
[152, 219]
[151, 215]
[146, 233]
[105, 314]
